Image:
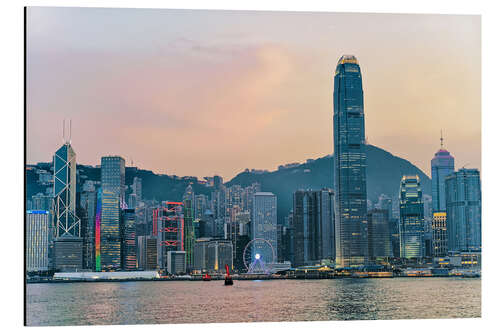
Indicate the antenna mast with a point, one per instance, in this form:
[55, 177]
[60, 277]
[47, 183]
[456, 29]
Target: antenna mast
[441, 139]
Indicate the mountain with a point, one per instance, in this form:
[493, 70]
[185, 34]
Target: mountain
[384, 172]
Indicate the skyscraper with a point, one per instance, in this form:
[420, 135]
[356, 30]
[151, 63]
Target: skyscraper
[37, 240]
[411, 218]
[66, 221]
[264, 223]
[313, 222]
[439, 234]
[442, 165]
[349, 163]
[463, 210]
[379, 234]
[113, 194]
[188, 211]
[129, 247]
[68, 250]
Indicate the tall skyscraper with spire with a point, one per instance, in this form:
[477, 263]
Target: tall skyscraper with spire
[349, 164]
[442, 165]
[68, 250]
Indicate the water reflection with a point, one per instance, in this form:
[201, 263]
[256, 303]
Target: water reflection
[248, 301]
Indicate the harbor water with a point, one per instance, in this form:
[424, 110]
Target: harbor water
[169, 302]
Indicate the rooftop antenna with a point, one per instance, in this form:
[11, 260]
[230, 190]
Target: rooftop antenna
[64, 136]
[441, 139]
[69, 130]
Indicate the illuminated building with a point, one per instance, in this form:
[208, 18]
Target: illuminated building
[113, 190]
[349, 164]
[168, 226]
[264, 221]
[442, 165]
[147, 253]
[219, 253]
[189, 236]
[313, 223]
[88, 203]
[463, 210]
[411, 218]
[37, 240]
[129, 249]
[379, 234]
[200, 254]
[439, 234]
[97, 238]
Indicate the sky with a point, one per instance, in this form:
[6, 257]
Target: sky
[202, 92]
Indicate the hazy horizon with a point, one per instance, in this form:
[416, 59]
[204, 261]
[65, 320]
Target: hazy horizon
[204, 92]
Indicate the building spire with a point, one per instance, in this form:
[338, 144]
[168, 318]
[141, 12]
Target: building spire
[441, 139]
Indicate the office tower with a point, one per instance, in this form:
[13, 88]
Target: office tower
[219, 211]
[41, 201]
[66, 221]
[379, 234]
[68, 253]
[200, 254]
[264, 224]
[201, 204]
[176, 262]
[137, 188]
[132, 201]
[168, 224]
[349, 162]
[37, 240]
[411, 218]
[219, 253]
[129, 250]
[88, 204]
[67, 243]
[188, 200]
[463, 210]
[147, 256]
[113, 175]
[442, 165]
[113, 193]
[313, 222]
[439, 234]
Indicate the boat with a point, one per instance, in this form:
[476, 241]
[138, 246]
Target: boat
[228, 280]
[206, 277]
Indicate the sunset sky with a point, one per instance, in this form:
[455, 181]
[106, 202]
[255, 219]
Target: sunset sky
[214, 92]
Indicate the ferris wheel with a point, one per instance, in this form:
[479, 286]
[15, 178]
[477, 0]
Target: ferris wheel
[258, 256]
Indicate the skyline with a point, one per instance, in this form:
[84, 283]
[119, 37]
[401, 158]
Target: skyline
[283, 71]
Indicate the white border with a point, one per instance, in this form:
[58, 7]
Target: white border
[11, 63]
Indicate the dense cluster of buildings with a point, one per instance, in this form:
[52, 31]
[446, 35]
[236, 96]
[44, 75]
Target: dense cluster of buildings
[106, 226]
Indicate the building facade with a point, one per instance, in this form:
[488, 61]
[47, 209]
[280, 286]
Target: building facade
[37, 240]
[379, 235]
[129, 246]
[264, 223]
[411, 218]
[313, 225]
[113, 194]
[442, 165]
[439, 235]
[349, 162]
[463, 210]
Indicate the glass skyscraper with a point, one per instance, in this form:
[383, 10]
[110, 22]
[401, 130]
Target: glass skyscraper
[442, 165]
[463, 210]
[349, 164]
[313, 225]
[113, 192]
[265, 223]
[66, 221]
[411, 218]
